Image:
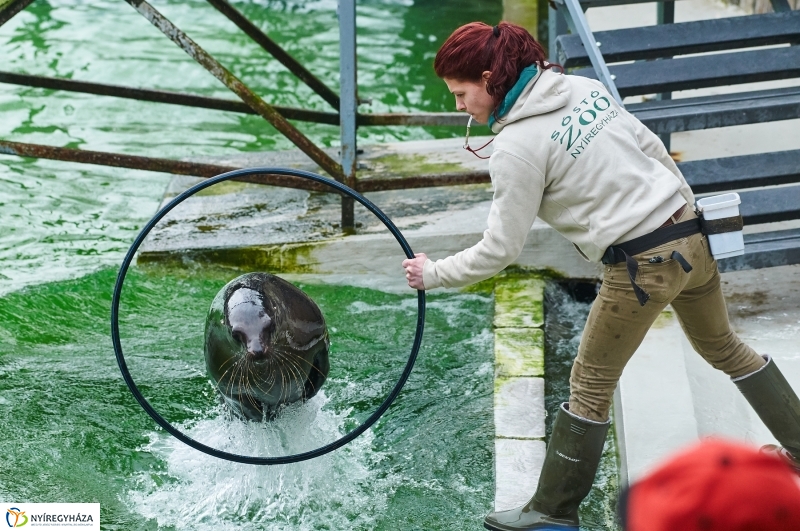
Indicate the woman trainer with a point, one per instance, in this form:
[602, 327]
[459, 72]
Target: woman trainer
[565, 151]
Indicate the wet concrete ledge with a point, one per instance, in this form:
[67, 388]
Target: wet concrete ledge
[519, 410]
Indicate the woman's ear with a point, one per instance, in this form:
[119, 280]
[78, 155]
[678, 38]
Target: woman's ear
[486, 75]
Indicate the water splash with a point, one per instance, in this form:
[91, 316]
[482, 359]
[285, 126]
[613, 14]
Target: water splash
[200, 492]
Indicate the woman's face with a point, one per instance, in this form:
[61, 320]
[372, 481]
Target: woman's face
[472, 98]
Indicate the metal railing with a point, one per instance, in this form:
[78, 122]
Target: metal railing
[345, 105]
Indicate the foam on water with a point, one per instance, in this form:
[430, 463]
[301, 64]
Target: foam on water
[452, 309]
[200, 492]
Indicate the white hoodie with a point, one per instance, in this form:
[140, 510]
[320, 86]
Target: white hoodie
[567, 152]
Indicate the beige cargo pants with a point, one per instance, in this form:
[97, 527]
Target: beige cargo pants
[617, 323]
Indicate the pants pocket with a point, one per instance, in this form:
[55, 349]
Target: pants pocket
[661, 280]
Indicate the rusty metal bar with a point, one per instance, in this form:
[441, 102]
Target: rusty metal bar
[264, 109]
[190, 100]
[198, 169]
[422, 181]
[176, 167]
[277, 52]
[162, 96]
[421, 118]
[9, 9]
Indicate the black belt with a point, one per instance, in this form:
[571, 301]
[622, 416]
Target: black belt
[616, 254]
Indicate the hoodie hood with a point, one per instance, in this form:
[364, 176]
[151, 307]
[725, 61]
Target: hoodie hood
[546, 92]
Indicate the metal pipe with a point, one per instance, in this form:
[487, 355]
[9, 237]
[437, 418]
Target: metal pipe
[264, 109]
[556, 25]
[199, 169]
[665, 14]
[176, 167]
[162, 96]
[423, 181]
[420, 118]
[348, 108]
[277, 52]
[203, 102]
[11, 8]
[780, 5]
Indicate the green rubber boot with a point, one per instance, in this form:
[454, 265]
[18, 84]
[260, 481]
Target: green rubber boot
[776, 403]
[567, 475]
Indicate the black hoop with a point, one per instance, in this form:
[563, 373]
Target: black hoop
[244, 458]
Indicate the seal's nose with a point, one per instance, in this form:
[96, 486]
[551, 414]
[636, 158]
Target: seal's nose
[256, 350]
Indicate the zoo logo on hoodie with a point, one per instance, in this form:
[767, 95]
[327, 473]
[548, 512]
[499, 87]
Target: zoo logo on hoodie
[585, 116]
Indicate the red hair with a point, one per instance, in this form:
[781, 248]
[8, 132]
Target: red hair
[504, 50]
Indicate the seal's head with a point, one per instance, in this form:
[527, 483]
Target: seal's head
[266, 345]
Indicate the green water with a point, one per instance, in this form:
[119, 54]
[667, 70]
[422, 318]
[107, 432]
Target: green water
[72, 432]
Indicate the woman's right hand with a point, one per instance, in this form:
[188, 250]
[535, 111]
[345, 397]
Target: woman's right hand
[413, 268]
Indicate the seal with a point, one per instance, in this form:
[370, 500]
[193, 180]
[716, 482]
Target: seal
[266, 345]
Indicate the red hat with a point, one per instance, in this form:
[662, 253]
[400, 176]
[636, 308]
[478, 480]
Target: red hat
[715, 486]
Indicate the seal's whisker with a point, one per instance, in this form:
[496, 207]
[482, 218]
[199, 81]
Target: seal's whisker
[248, 387]
[300, 358]
[236, 378]
[313, 368]
[270, 380]
[284, 384]
[271, 384]
[231, 360]
[222, 381]
[222, 378]
[296, 372]
[232, 380]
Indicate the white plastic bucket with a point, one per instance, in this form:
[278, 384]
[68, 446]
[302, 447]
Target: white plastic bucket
[726, 244]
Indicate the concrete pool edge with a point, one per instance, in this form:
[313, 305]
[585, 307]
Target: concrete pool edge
[519, 407]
